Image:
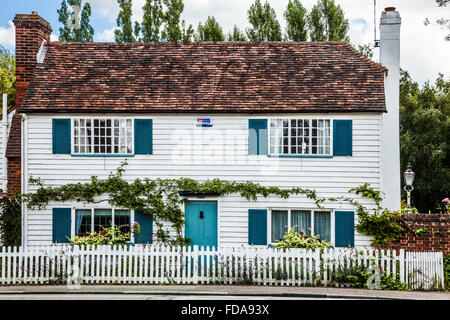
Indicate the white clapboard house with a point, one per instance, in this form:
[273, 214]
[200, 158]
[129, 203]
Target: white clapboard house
[317, 115]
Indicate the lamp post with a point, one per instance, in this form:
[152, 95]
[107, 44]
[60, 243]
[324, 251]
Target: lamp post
[408, 177]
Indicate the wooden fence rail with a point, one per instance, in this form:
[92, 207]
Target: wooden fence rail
[160, 264]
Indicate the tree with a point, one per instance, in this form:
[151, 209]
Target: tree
[443, 22]
[76, 22]
[327, 22]
[297, 18]
[151, 22]
[8, 76]
[236, 35]
[210, 31]
[125, 31]
[265, 26]
[174, 28]
[425, 139]
[366, 50]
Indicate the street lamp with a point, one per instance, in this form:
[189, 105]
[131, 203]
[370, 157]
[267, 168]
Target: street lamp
[408, 177]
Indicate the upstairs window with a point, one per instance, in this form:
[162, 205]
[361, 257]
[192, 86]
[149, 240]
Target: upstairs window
[300, 137]
[102, 136]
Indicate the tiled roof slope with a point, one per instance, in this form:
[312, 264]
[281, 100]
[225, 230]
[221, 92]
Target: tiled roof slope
[206, 77]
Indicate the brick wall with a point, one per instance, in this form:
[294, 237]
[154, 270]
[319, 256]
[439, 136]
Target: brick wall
[31, 31]
[436, 239]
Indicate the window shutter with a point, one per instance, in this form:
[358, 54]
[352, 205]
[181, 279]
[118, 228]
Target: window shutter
[61, 136]
[143, 136]
[146, 223]
[257, 136]
[62, 218]
[345, 228]
[342, 137]
[257, 227]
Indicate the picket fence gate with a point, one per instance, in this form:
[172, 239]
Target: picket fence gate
[160, 264]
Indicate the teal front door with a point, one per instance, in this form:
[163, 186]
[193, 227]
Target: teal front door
[201, 223]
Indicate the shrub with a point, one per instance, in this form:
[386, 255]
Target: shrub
[10, 222]
[292, 239]
[108, 236]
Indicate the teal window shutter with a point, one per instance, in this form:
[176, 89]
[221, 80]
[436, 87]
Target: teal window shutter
[61, 227]
[61, 136]
[143, 136]
[345, 229]
[257, 136]
[146, 223]
[342, 137]
[257, 227]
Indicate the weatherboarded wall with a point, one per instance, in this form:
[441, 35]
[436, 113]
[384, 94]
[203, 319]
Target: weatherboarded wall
[180, 149]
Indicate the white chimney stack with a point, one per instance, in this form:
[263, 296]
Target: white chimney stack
[390, 122]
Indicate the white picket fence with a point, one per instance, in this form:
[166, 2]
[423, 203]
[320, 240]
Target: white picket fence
[159, 264]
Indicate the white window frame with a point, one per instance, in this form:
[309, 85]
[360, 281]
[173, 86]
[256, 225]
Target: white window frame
[92, 153]
[269, 221]
[92, 209]
[276, 154]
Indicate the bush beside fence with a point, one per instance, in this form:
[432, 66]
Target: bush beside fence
[159, 264]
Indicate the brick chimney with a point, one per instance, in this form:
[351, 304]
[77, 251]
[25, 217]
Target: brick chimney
[31, 31]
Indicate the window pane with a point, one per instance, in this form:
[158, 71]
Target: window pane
[122, 219]
[279, 224]
[83, 222]
[102, 218]
[301, 221]
[322, 225]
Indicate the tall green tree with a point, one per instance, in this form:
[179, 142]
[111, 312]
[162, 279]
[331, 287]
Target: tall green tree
[8, 76]
[425, 139]
[125, 32]
[265, 25]
[297, 21]
[75, 20]
[174, 28]
[327, 22]
[236, 35]
[150, 28]
[210, 31]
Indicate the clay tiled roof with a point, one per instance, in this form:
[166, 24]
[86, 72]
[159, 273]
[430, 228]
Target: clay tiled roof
[206, 77]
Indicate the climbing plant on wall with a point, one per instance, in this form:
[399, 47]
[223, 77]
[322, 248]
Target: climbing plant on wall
[163, 200]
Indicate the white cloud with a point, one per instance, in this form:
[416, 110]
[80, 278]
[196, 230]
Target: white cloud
[54, 37]
[8, 36]
[105, 8]
[105, 36]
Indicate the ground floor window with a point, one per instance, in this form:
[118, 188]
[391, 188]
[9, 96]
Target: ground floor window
[306, 221]
[90, 220]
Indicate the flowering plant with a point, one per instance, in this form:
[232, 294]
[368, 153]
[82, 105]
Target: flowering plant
[292, 239]
[446, 204]
[108, 236]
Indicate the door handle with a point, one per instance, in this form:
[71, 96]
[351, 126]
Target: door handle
[201, 215]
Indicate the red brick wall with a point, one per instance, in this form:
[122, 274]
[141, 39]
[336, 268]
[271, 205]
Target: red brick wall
[14, 176]
[436, 239]
[31, 30]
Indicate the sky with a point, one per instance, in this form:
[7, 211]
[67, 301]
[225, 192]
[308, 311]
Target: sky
[424, 52]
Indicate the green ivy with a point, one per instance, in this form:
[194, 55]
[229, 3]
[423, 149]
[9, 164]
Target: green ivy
[161, 199]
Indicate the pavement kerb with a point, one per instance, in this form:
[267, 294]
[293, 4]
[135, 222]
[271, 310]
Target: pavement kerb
[203, 293]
